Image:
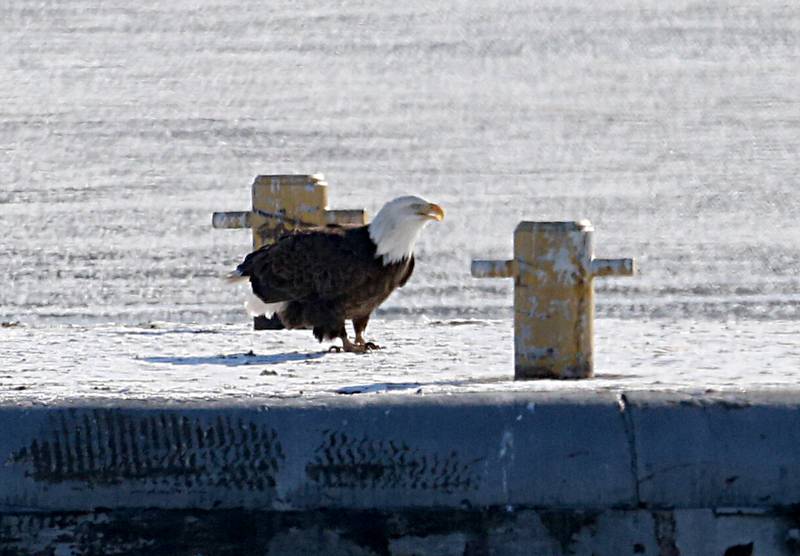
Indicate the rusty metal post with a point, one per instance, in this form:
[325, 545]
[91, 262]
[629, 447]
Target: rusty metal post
[553, 270]
[282, 204]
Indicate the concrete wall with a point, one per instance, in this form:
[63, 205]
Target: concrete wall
[527, 473]
[438, 532]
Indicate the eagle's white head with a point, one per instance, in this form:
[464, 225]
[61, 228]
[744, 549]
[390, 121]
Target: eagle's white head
[397, 225]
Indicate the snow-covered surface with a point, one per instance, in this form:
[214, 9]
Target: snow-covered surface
[673, 127]
[180, 363]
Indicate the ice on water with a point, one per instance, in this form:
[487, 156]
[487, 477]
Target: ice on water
[672, 127]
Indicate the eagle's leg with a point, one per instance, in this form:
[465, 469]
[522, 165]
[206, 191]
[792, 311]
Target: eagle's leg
[359, 325]
[347, 345]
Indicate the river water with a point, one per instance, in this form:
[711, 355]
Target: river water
[674, 127]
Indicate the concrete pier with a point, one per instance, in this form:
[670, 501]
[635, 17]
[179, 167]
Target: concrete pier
[289, 450]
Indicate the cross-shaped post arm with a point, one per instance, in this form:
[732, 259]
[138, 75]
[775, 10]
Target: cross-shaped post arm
[492, 269]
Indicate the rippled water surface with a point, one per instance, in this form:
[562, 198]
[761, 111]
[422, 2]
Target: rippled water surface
[674, 127]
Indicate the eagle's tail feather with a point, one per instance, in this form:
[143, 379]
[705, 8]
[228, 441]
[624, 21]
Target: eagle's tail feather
[236, 277]
[256, 307]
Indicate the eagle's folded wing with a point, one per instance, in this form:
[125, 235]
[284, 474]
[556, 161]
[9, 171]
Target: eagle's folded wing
[304, 265]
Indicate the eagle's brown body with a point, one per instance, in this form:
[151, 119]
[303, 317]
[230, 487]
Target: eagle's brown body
[324, 277]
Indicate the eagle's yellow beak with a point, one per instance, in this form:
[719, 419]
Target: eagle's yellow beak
[433, 211]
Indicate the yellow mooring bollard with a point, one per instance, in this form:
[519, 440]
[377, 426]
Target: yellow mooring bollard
[553, 269]
[282, 204]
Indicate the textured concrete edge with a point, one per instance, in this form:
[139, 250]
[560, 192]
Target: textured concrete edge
[448, 531]
[587, 450]
[716, 450]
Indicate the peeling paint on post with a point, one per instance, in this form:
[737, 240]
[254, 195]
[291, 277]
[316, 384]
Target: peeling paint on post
[283, 204]
[553, 269]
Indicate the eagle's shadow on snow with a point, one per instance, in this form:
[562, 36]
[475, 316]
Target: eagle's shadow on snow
[236, 359]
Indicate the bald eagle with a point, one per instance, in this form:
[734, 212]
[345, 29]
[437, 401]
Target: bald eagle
[320, 278]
